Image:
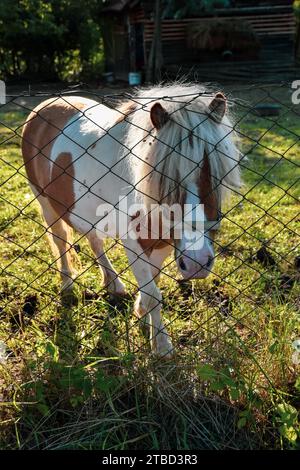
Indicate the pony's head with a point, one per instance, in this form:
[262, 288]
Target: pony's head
[182, 147]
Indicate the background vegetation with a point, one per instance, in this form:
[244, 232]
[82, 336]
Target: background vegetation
[57, 39]
[62, 39]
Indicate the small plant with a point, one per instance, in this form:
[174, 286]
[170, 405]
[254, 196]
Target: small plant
[287, 421]
[232, 385]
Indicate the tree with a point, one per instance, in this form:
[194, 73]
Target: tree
[40, 38]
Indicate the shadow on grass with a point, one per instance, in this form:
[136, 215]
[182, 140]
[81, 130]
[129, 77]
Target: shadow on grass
[132, 408]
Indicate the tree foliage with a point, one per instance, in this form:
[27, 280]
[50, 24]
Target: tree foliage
[46, 39]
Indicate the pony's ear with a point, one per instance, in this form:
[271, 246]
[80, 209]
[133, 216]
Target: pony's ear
[218, 107]
[158, 115]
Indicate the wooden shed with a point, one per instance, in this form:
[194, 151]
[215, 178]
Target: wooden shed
[128, 27]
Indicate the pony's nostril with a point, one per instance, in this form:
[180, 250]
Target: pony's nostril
[209, 261]
[182, 264]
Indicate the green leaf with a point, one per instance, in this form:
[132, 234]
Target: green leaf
[217, 386]
[241, 422]
[273, 347]
[87, 387]
[207, 372]
[73, 377]
[105, 383]
[287, 413]
[234, 393]
[53, 350]
[43, 409]
[76, 400]
[289, 432]
[229, 381]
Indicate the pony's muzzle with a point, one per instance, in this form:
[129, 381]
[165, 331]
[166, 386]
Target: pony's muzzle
[191, 268]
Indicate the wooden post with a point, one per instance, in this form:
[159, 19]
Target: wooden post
[132, 45]
[155, 60]
[297, 42]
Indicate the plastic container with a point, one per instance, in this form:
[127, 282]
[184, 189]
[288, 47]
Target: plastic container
[134, 78]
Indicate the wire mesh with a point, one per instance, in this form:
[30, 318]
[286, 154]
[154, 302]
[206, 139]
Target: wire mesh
[224, 318]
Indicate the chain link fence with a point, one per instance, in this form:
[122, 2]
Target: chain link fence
[235, 333]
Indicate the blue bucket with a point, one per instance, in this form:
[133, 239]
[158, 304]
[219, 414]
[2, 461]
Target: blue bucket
[134, 78]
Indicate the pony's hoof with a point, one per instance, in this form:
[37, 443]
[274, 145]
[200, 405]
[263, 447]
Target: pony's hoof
[165, 354]
[120, 295]
[89, 296]
[115, 288]
[163, 348]
[117, 300]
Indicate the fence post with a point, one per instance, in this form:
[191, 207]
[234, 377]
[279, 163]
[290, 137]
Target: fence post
[2, 92]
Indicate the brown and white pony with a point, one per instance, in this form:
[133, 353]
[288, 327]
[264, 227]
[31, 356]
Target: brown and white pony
[167, 144]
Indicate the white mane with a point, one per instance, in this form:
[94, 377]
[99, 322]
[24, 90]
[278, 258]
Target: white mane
[165, 161]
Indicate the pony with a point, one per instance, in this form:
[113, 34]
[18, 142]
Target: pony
[169, 144]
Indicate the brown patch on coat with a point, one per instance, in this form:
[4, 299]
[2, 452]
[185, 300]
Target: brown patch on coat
[60, 190]
[44, 124]
[149, 244]
[125, 110]
[207, 195]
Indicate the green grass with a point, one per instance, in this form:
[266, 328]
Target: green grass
[83, 377]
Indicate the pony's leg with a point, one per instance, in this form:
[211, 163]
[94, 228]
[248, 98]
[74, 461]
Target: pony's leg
[156, 260]
[111, 280]
[148, 302]
[60, 237]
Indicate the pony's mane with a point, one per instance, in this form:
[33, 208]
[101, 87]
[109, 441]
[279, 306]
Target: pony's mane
[165, 161]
